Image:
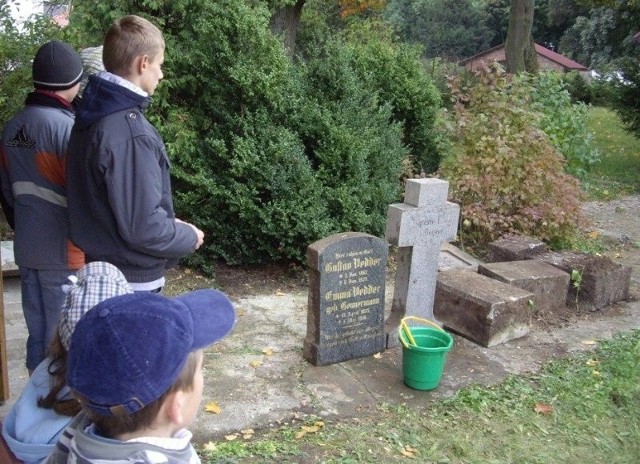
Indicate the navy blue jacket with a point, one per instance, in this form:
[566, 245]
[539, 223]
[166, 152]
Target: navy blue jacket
[118, 186]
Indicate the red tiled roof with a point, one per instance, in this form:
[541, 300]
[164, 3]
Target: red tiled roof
[558, 58]
[548, 54]
[61, 20]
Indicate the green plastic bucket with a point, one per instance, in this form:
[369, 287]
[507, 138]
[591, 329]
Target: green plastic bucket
[423, 363]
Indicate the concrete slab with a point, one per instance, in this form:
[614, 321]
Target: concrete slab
[598, 282]
[452, 257]
[515, 248]
[548, 284]
[484, 310]
[9, 266]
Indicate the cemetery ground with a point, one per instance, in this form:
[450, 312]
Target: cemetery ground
[264, 403]
[561, 405]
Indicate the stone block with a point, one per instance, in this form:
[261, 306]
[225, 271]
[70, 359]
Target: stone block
[515, 248]
[481, 309]
[548, 284]
[9, 266]
[597, 283]
[453, 257]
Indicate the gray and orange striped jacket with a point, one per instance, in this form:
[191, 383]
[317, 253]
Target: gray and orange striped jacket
[32, 177]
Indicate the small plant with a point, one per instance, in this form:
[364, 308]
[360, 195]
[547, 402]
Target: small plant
[576, 282]
[576, 278]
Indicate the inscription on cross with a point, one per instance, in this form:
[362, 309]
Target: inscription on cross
[418, 227]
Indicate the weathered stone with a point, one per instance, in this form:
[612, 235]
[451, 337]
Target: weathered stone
[452, 257]
[548, 284]
[596, 281]
[482, 309]
[418, 227]
[345, 314]
[515, 248]
[9, 266]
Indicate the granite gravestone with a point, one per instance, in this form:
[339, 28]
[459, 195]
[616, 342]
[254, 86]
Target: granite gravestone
[418, 227]
[345, 316]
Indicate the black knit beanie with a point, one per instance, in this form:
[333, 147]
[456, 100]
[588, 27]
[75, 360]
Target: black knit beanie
[56, 66]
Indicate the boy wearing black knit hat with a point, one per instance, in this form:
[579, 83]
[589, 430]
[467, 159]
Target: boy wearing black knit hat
[32, 177]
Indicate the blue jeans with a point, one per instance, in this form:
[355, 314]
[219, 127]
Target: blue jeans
[42, 300]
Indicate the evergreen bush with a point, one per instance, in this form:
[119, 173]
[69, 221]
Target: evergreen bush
[626, 93]
[577, 87]
[269, 155]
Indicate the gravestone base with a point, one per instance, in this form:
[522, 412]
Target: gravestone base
[548, 284]
[602, 282]
[515, 248]
[335, 351]
[482, 309]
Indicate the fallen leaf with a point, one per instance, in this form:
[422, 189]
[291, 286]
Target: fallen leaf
[310, 428]
[596, 373]
[255, 363]
[319, 423]
[210, 446]
[231, 437]
[594, 234]
[280, 294]
[300, 434]
[408, 451]
[589, 342]
[212, 407]
[377, 355]
[543, 408]
[592, 362]
[247, 433]
[267, 352]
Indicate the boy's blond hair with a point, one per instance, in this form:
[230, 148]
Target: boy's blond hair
[128, 38]
[113, 426]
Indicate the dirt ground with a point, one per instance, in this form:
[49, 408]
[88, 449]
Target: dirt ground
[614, 223]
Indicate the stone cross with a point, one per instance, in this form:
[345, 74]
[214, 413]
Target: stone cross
[419, 226]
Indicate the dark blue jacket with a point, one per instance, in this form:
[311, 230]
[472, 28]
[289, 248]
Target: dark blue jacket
[118, 186]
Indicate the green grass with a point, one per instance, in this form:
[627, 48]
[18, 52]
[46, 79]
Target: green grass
[580, 410]
[617, 173]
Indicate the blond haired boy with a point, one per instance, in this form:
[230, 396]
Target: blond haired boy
[118, 187]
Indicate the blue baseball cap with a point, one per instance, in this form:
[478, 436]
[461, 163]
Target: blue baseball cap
[127, 351]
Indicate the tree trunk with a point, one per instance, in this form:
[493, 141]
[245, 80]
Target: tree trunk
[519, 47]
[285, 22]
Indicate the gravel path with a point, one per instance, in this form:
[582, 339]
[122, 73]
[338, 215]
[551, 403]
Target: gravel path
[619, 223]
[618, 219]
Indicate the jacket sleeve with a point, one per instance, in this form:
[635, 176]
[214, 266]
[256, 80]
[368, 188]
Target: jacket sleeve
[137, 181]
[6, 196]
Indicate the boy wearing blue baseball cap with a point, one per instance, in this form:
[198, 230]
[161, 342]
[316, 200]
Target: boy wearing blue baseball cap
[135, 365]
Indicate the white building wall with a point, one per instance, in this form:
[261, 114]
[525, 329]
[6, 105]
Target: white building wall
[22, 10]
